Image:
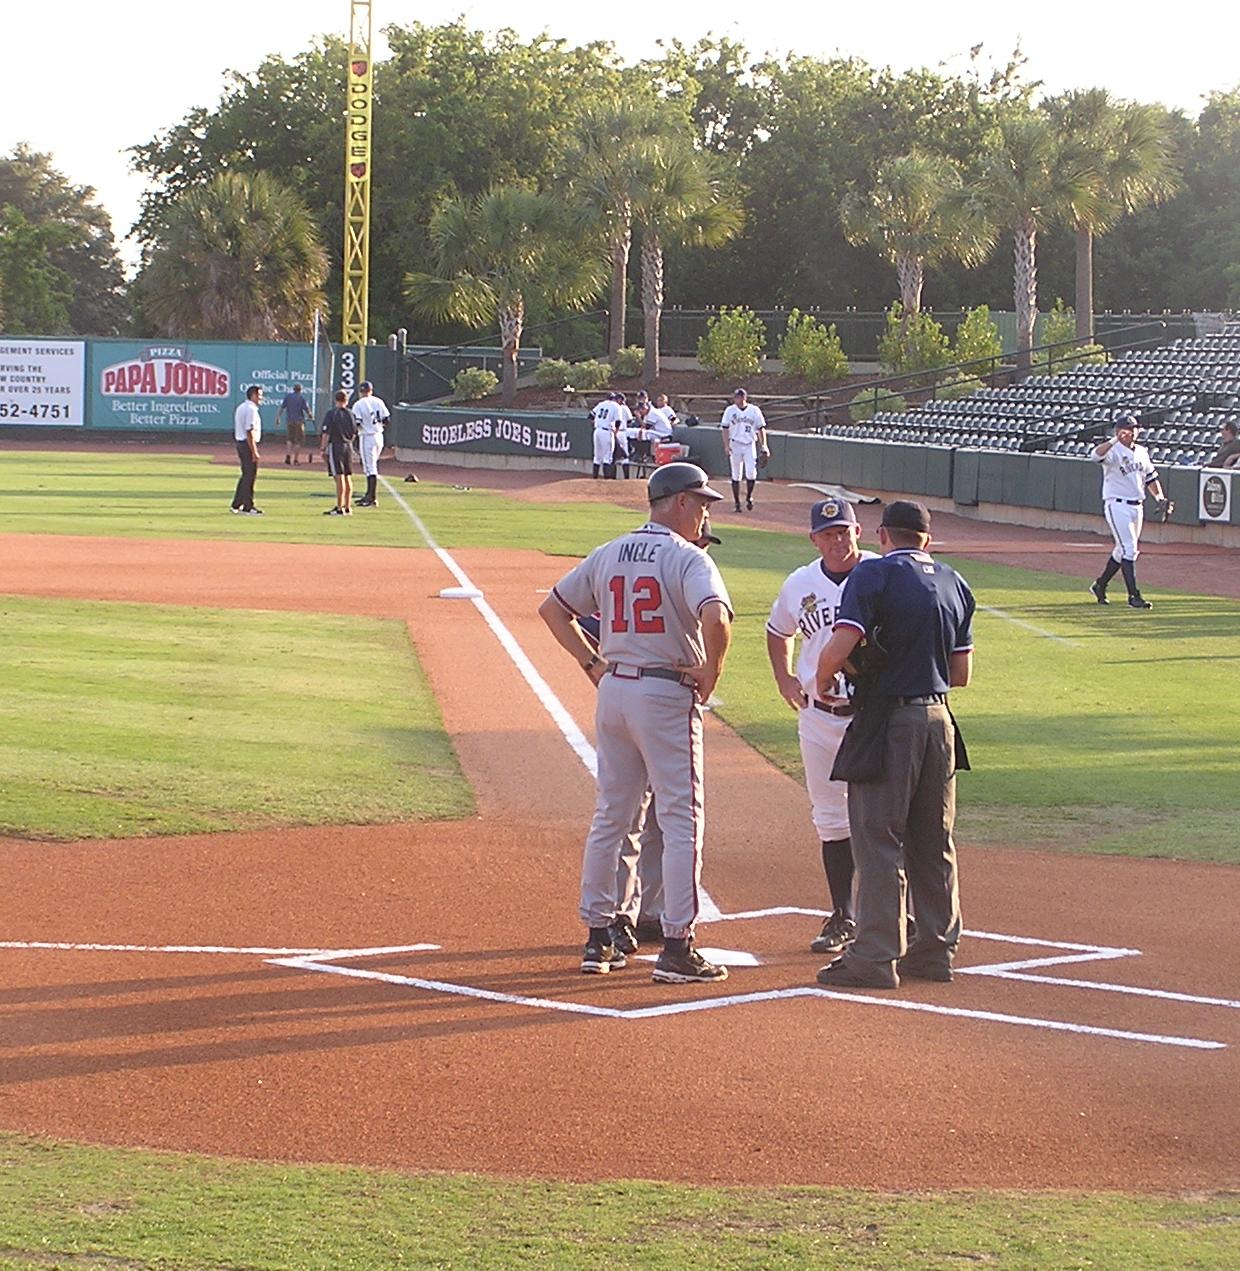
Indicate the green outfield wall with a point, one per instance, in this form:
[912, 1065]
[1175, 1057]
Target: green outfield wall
[1062, 489]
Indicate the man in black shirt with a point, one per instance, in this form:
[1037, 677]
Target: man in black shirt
[1229, 449]
[336, 444]
[901, 812]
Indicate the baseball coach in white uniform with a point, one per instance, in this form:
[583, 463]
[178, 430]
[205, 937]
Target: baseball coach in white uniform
[744, 436]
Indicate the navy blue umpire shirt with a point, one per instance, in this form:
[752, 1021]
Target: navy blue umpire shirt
[917, 609]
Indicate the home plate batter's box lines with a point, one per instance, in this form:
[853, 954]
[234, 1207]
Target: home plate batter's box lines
[1035, 970]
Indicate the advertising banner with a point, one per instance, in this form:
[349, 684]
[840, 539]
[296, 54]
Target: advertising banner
[1214, 495]
[552, 435]
[179, 386]
[42, 382]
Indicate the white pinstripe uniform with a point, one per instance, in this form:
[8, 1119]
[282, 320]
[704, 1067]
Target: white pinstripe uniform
[371, 414]
[742, 426]
[1126, 471]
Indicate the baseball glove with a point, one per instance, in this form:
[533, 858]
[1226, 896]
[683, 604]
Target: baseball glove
[1163, 508]
[764, 457]
[863, 667]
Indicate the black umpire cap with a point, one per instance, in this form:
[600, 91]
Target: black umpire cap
[677, 478]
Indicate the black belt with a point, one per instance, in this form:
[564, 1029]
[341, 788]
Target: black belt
[622, 672]
[834, 708]
[926, 699]
[1136, 503]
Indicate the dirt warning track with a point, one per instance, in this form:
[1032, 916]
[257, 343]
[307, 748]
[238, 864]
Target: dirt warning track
[408, 995]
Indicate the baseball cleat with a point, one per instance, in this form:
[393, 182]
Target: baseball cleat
[841, 974]
[1099, 593]
[836, 932]
[334, 512]
[688, 967]
[918, 969]
[737, 508]
[1138, 601]
[600, 958]
[624, 937]
[749, 505]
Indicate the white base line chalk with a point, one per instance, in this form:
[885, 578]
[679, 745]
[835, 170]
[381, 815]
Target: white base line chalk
[707, 909]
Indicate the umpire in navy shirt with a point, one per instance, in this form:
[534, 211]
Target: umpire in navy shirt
[902, 800]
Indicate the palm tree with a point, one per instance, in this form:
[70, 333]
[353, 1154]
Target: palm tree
[918, 214]
[680, 202]
[495, 252]
[1028, 180]
[602, 166]
[237, 259]
[1132, 147]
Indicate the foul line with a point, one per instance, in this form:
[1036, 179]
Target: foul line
[1028, 626]
[576, 739]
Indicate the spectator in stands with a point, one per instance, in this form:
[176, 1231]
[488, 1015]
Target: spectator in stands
[1229, 449]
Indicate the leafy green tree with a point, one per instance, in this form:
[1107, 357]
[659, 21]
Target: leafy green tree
[35, 293]
[603, 169]
[733, 343]
[977, 340]
[237, 259]
[75, 239]
[1064, 350]
[918, 213]
[495, 252]
[1131, 149]
[912, 342]
[1030, 178]
[679, 201]
[812, 351]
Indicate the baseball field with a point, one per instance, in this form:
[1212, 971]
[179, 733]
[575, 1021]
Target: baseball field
[288, 943]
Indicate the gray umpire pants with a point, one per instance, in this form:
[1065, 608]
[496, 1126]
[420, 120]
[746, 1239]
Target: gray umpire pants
[648, 733]
[901, 829]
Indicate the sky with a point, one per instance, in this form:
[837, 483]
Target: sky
[85, 79]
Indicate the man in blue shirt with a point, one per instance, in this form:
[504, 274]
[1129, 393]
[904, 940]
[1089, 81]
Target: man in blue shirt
[901, 814]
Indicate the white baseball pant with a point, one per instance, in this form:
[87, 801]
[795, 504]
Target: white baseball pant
[371, 447]
[1125, 519]
[820, 735]
[744, 463]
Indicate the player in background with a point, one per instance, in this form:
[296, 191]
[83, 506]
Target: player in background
[296, 410]
[336, 436]
[1127, 474]
[371, 414]
[806, 607]
[744, 436]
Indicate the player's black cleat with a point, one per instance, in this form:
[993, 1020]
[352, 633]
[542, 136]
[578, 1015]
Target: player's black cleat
[1098, 592]
[737, 508]
[686, 967]
[748, 505]
[599, 958]
[836, 932]
[1138, 601]
[624, 936]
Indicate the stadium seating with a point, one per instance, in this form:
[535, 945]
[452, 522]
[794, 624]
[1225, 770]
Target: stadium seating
[1182, 393]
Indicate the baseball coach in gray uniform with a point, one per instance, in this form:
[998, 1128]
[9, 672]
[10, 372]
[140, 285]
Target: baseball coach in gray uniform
[664, 629]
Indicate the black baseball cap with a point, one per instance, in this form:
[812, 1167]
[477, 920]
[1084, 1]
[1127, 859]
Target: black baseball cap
[903, 514]
[708, 537]
[740, 392]
[364, 385]
[828, 513]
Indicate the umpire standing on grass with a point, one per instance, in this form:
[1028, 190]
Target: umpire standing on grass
[901, 752]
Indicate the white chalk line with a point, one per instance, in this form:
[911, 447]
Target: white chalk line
[580, 745]
[1028, 626]
[741, 999]
[330, 962]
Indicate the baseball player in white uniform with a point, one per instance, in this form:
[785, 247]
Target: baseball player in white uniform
[606, 417]
[744, 436]
[665, 622]
[371, 414]
[806, 607]
[1127, 474]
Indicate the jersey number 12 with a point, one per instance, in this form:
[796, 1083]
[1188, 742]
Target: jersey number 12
[647, 597]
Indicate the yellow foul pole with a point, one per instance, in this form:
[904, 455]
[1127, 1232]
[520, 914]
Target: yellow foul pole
[358, 116]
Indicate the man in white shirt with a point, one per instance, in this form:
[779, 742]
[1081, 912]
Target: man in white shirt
[606, 417]
[247, 433]
[371, 414]
[744, 437]
[1127, 473]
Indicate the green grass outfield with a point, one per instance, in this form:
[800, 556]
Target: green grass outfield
[1111, 731]
[88, 1208]
[125, 719]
